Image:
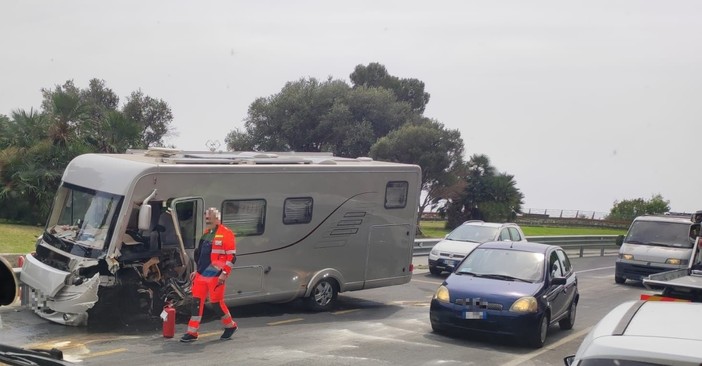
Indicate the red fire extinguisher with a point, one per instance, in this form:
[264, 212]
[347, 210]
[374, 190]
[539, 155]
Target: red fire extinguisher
[168, 315]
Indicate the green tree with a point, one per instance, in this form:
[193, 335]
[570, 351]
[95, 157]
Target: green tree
[437, 150]
[488, 195]
[375, 75]
[309, 115]
[627, 210]
[35, 147]
[31, 166]
[153, 116]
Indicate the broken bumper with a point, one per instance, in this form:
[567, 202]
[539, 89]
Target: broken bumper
[45, 291]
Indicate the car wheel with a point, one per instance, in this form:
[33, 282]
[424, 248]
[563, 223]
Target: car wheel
[619, 279]
[435, 271]
[538, 336]
[323, 296]
[568, 322]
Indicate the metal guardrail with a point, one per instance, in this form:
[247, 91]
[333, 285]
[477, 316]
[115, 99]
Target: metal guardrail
[573, 244]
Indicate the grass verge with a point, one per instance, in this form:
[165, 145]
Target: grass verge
[18, 238]
[21, 238]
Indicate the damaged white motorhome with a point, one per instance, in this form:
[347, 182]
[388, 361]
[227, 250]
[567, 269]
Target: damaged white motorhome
[124, 227]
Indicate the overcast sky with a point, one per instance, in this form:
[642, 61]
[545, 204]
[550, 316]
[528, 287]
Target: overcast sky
[584, 102]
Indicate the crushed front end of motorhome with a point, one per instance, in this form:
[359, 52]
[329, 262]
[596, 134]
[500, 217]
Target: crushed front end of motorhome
[72, 266]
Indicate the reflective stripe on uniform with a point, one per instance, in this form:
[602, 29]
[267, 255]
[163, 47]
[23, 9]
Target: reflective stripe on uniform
[229, 264]
[233, 251]
[219, 251]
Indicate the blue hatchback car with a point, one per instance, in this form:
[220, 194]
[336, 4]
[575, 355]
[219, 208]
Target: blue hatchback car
[508, 288]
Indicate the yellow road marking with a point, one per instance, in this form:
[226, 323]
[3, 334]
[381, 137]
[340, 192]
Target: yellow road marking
[210, 334]
[410, 303]
[104, 353]
[522, 359]
[432, 282]
[341, 312]
[286, 321]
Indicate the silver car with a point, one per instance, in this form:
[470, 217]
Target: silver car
[446, 254]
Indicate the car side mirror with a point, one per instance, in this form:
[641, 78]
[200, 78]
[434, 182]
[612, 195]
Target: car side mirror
[568, 360]
[620, 240]
[558, 281]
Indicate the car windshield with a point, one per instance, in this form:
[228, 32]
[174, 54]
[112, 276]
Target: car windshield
[473, 233]
[660, 233]
[81, 219]
[503, 263]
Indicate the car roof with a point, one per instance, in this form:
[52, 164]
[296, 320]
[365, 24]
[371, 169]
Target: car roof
[642, 330]
[525, 246]
[488, 224]
[665, 218]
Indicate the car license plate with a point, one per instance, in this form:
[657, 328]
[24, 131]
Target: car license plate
[451, 263]
[474, 315]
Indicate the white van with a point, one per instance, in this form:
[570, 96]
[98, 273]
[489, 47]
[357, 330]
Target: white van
[654, 244]
[124, 227]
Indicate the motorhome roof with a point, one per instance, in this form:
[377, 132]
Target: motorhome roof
[174, 156]
[115, 173]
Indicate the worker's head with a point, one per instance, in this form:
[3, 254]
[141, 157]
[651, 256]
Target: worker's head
[212, 218]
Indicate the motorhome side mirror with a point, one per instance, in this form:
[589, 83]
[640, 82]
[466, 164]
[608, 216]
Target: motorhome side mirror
[145, 217]
[8, 283]
[620, 240]
[569, 360]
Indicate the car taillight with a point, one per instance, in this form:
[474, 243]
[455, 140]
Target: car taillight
[20, 261]
[411, 267]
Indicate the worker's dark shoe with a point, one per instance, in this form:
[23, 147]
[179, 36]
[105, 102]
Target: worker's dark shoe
[187, 338]
[228, 333]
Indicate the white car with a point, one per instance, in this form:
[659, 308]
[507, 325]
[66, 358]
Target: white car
[446, 254]
[650, 333]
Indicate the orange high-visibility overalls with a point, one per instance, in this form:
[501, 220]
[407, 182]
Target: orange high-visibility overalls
[217, 255]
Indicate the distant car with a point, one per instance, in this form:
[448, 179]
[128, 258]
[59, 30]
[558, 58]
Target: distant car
[517, 289]
[458, 243]
[651, 333]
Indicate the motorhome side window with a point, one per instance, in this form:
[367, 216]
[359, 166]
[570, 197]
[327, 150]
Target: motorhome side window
[297, 210]
[244, 217]
[396, 194]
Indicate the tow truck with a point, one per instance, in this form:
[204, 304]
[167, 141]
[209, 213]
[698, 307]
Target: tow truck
[681, 284]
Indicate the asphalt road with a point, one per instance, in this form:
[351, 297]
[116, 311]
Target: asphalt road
[386, 326]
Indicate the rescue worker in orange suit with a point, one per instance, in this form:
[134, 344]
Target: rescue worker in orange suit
[217, 254]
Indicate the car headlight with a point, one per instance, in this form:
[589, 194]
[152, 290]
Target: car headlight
[525, 305]
[676, 261]
[442, 294]
[627, 257]
[434, 252]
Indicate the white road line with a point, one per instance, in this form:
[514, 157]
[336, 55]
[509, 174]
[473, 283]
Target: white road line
[593, 269]
[550, 347]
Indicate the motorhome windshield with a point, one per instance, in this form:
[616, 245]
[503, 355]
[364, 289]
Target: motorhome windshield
[660, 233]
[81, 220]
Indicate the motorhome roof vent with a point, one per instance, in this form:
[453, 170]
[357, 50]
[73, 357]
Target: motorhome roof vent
[161, 151]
